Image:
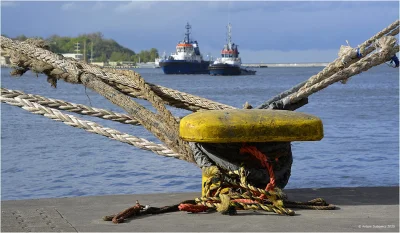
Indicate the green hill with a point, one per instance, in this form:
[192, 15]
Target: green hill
[103, 49]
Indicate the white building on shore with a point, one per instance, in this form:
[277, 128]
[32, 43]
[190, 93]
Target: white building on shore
[76, 56]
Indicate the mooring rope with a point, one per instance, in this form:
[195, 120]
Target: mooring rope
[55, 65]
[89, 126]
[149, 120]
[70, 107]
[166, 116]
[335, 66]
[389, 48]
[173, 97]
[168, 134]
[350, 56]
[155, 100]
[163, 126]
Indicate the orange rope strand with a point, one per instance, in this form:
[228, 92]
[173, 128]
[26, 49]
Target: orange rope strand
[263, 159]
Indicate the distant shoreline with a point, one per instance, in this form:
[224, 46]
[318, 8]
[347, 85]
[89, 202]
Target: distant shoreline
[265, 65]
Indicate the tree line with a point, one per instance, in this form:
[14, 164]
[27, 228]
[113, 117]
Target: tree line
[104, 50]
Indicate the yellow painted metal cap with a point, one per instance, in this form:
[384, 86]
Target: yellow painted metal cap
[250, 125]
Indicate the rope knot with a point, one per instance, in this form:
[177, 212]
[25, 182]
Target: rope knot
[347, 53]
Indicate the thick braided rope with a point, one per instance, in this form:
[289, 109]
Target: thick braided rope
[134, 93]
[155, 100]
[148, 119]
[70, 107]
[74, 69]
[89, 126]
[172, 124]
[43, 55]
[171, 96]
[335, 66]
[380, 34]
[388, 50]
[144, 116]
[189, 98]
[176, 101]
[141, 114]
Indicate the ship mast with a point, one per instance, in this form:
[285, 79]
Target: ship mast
[229, 37]
[188, 27]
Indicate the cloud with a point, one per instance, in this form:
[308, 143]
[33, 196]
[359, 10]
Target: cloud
[98, 6]
[68, 6]
[267, 26]
[133, 6]
[8, 4]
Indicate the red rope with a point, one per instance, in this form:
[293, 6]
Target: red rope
[192, 208]
[263, 159]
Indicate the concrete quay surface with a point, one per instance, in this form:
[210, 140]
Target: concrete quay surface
[363, 209]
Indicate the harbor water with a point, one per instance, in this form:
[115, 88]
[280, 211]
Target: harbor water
[42, 158]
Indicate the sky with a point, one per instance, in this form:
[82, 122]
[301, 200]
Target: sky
[266, 31]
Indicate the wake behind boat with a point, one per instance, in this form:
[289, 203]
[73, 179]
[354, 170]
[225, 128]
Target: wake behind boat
[187, 59]
[229, 63]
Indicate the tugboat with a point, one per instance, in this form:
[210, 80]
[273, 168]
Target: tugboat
[187, 58]
[229, 63]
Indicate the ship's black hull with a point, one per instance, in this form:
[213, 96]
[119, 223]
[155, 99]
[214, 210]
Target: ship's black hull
[184, 67]
[224, 69]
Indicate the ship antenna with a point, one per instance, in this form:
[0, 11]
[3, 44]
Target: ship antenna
[188, 27]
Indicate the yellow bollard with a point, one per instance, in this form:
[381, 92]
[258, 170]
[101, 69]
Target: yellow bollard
[254, 125]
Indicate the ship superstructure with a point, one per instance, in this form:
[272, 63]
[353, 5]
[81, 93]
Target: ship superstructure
[229, 63]
[187, 59]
